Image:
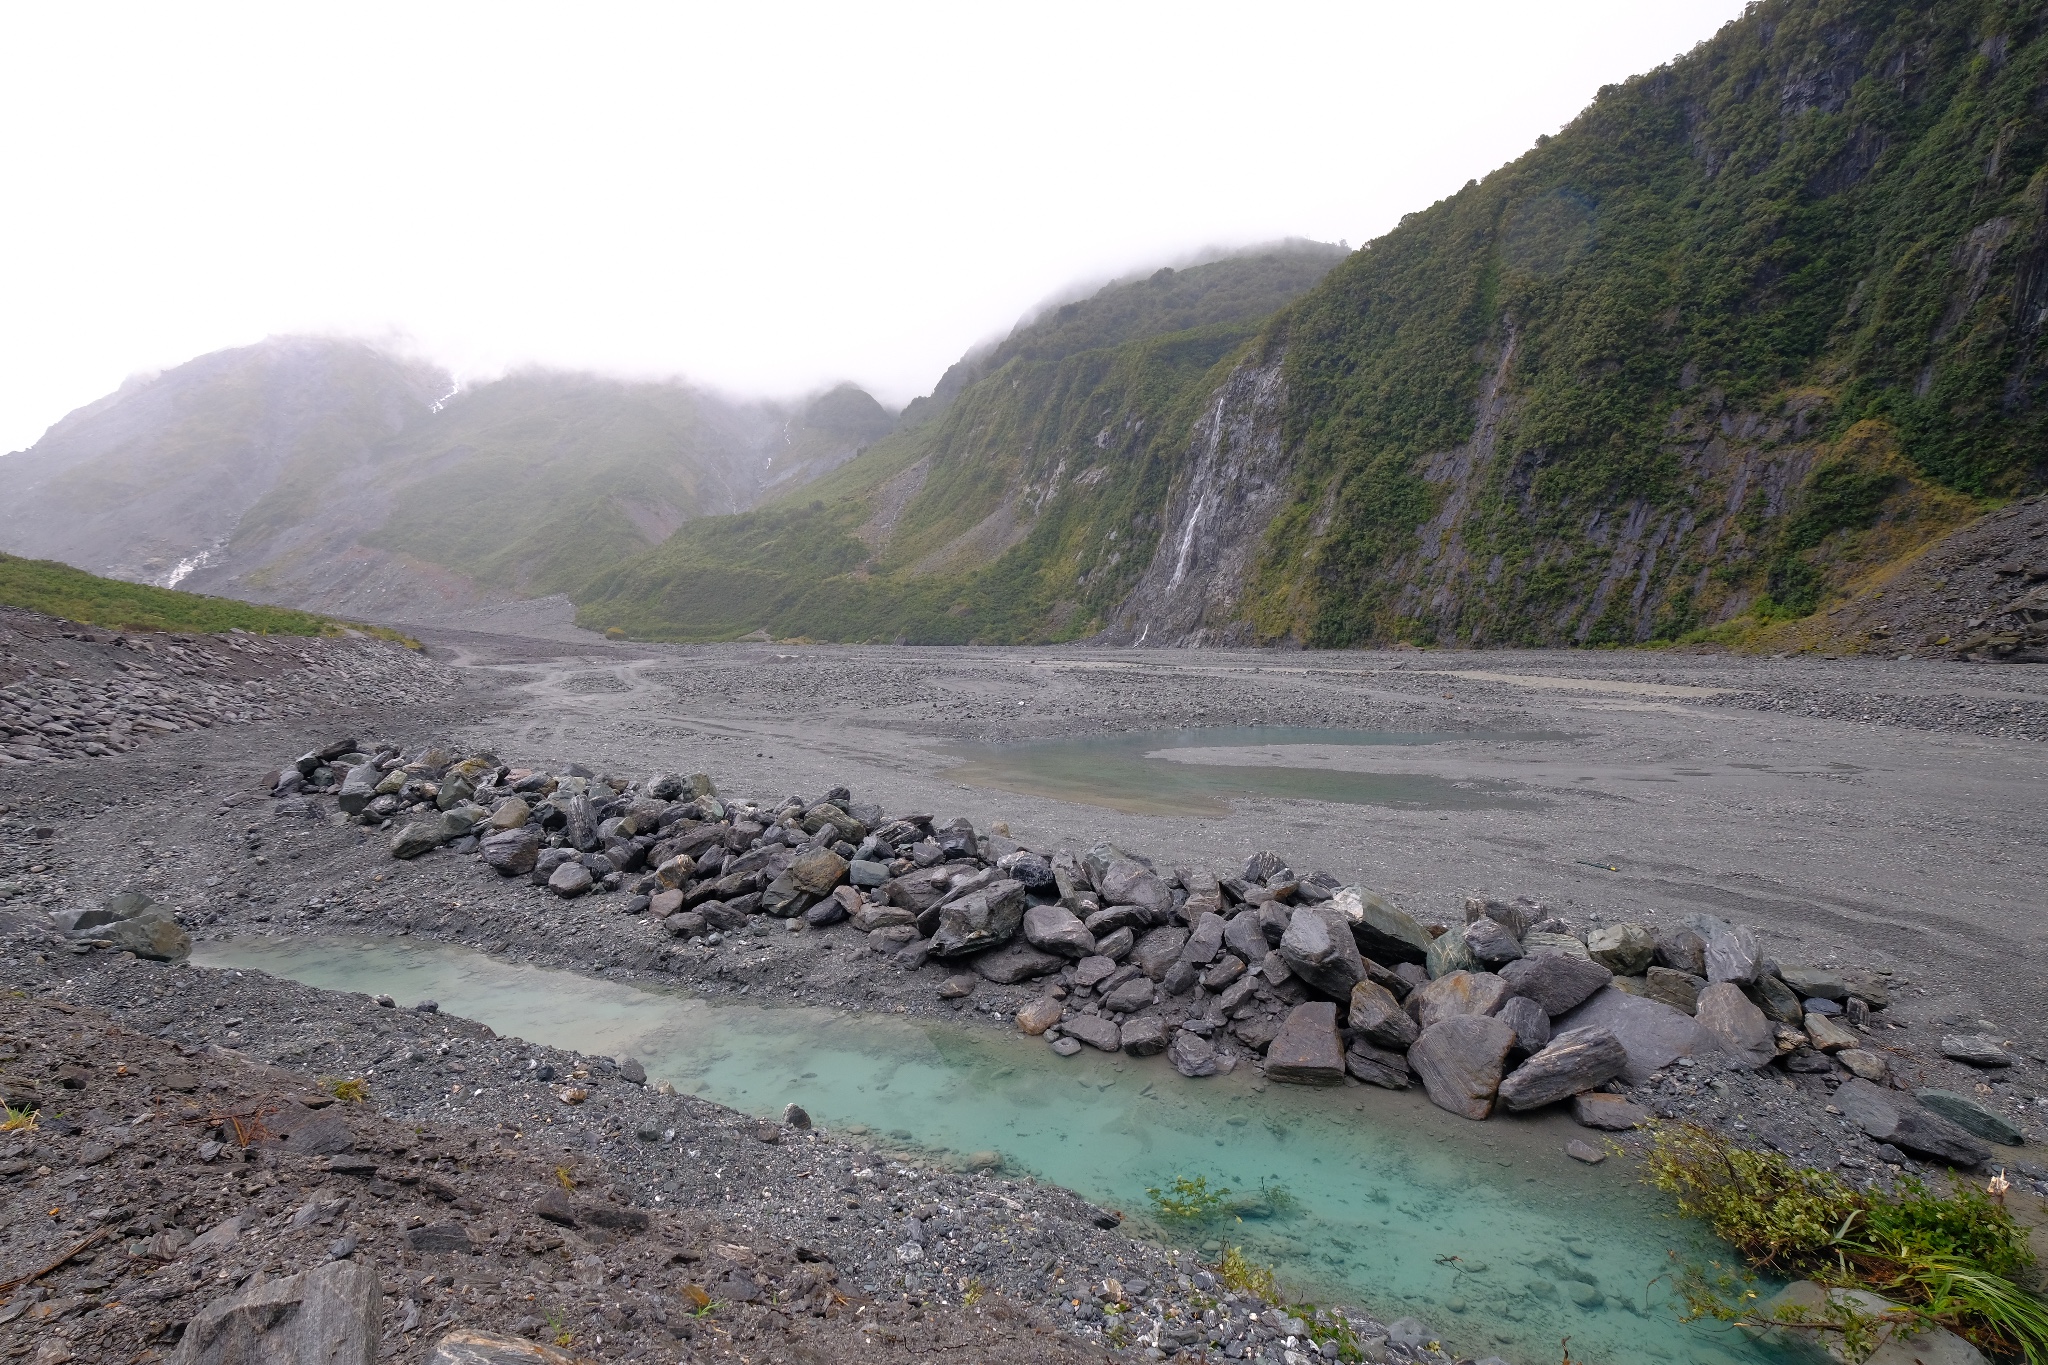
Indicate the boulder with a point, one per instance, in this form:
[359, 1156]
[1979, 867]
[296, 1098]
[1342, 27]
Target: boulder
[1459, 993]
[1573, 1061]
[1132, 996]
[1017, 962]
[1377, 1016]
[1243, 935]
[324, 1316]
[1377, 1066]
[1680, 990]
[1039, 1015]
[512, 852]
[1738, 1026]
[358, 789]
[1682, 950]
[1460, 1060]
[1867, 986]
[1777, 1000]
[152, 934]
[416, 839]
[1383, 931]
[1192, 1055]
[1731, 953]
[1976, 1049]
[1100, 1034]
[1624, 949]
[1318, 949]
[1307, 1050]
[1155, 953]
[1651, 1032]
[869, 918]
[818, 871]
[1527, 1019]
[1608, 1113]
[1971, 1116]
[1057, 929]
[1116, 946]
[1449, 952]
[980, 919]
[920, 890]
[1871, 1066]
[1887, 1116]
[1828, 1036]
[1556, 982]
[570, 880]
[1144, 1037]
[1514, 916]
[1491, 942]
[1543, 941]
[1815, 983]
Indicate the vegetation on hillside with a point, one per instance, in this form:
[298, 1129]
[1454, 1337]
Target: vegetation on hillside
[58, 590]
[1021, 510]
[1833, 216]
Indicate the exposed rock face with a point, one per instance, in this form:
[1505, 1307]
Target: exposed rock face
[326, 1316]
[1575, 1060]
[1460, 1060]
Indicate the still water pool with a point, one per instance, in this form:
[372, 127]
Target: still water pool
[1198, 771]
[1485, 1232]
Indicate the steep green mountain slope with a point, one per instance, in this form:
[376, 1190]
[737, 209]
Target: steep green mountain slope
[1005, 507]
[1756, 326]
[69, 594]
[1752, 325]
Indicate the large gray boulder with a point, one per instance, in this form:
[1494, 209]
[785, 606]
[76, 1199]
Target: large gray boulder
[1732, 953]
[1157, 952]
[152, 934]
[982, 919]
[1555, 981]
[359, 788]
[1491, 942]
[1459, 993]
[1205, 940]
[1460, 1060]
[1057, 929]
[1737, 1025]
[1383, 932]
[1319, 950]
[512, 852]
[324, 1316]
[1378, 1017]
[1624, 949]
[1887, 1116]
[1575, 1060]
[1652, 1033]
[1244, 936]
[1308, 1050]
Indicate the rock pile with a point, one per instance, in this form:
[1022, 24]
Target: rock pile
[1515, 1008]
[78, 692]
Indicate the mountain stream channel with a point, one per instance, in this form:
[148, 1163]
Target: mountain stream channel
[1351, 1195]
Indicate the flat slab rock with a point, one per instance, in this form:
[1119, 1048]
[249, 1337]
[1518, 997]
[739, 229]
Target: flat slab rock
[1608, 1113]
[1887, 1116]
[1308, 1050]
[1575, 1060]
[1097, 1032]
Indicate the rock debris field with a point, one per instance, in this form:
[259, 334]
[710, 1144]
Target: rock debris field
[483, 797]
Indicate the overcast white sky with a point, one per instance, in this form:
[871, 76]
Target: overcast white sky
[762, 197]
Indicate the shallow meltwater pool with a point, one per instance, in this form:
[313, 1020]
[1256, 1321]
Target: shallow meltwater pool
[1198, 771]
[1487, 1233]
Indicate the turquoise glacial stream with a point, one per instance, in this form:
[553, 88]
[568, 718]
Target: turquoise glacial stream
[1385, 1189]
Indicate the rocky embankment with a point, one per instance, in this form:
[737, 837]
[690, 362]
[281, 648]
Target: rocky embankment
[72, 691]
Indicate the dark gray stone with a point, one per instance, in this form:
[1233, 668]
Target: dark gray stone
[1887, 1116]
[324, 1316]
[1155, 953]
[1319, 950]
[1731, 951]
[1205, 940]
[1461, 992]
[1624, 949]
[513, 852]
[1057, 929]
[1609, 1113]
[1100, 1034]
[1976, 1049]
[1651, 1032]
[1192, 1055]
[1556, 982]
[1573, 1061]
[1377, 1066]
[1971, 1116]
[1132, 996]
[1775, 999]
[1384, 932]
[980, 919]
[1017, 962]
[1527, 1019]
[152, 934]
[1680, 990]
[1144, 1037]
[1491, 942]
[1244, 936]
[1683, 950]
[1737, 1025]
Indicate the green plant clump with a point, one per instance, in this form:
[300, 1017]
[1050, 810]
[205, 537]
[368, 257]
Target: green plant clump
[1949, 1259]
[1188, 1201]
